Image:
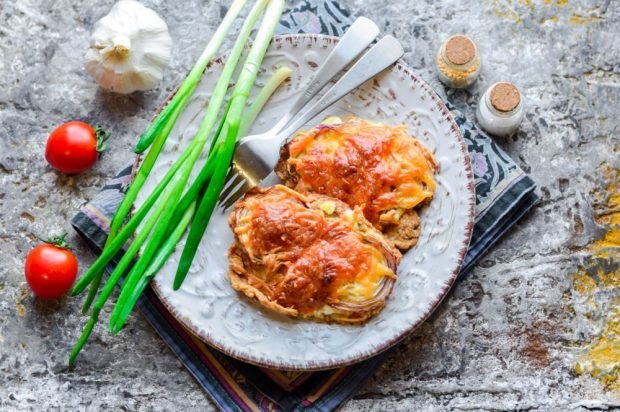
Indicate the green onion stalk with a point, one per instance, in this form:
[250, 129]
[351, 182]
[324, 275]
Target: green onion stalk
[217, 100]
[181, 217]
[225, 148]
[154, 266]
[158, 131]
[200, 140]
[162, 213]
[250, 114]
[109, 252]
[185, 209]
[192, 79]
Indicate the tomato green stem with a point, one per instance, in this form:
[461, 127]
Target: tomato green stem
[102, 138]
[58, 241]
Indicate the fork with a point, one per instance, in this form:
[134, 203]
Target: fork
[255, 156]
[353, 42]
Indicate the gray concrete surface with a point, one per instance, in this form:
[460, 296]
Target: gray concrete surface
[507, 338]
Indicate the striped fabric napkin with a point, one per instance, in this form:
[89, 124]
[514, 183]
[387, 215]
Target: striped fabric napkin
[504, 193]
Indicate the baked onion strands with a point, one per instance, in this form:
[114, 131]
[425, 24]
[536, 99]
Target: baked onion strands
[284, 258]
[376, 301]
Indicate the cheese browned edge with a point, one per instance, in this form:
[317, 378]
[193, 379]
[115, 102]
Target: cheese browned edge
[404, 235]
[345, 312]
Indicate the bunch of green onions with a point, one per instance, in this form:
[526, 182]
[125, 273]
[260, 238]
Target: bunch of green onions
[164, 225]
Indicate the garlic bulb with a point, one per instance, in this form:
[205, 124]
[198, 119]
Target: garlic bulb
[129, 48]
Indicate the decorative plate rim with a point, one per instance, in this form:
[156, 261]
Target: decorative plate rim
[332, 364]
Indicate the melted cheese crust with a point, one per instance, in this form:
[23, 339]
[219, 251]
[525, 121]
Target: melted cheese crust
[305, 258]
[378, 167]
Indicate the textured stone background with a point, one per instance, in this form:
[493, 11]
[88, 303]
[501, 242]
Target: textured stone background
[507, 338]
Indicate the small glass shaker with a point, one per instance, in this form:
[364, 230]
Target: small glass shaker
[500, 110]
[458, 62]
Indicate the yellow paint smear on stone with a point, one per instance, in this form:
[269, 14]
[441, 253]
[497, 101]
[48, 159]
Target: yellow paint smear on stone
[583, 20]
[584, 283]
[608, 214]
[609, 278]
[601, 272]
[559, 3]
[602, 360]
[517, 10]
[553, 19]
[19, 307]
[505, 11]
[21, 310]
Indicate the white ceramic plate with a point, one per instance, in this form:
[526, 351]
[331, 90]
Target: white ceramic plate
[208, 306]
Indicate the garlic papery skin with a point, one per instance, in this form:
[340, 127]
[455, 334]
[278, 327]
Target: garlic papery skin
[129, 48]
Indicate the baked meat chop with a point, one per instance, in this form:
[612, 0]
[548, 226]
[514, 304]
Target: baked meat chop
[309, 256]
[380, 168]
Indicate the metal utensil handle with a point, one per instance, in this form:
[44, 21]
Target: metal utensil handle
[355, 40]
[381, 56]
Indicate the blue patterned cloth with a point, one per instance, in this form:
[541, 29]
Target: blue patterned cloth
[504, 193]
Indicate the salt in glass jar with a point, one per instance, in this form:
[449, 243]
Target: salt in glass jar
[500, 110]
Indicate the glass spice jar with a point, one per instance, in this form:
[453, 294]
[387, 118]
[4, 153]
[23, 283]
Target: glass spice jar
[458, 62]
[500, 110]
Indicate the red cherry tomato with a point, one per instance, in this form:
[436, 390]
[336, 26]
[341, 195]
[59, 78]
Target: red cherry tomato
[75, 146]
[50, 270]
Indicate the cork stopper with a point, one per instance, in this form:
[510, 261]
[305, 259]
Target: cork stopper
[460, 50]
[505, 97]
